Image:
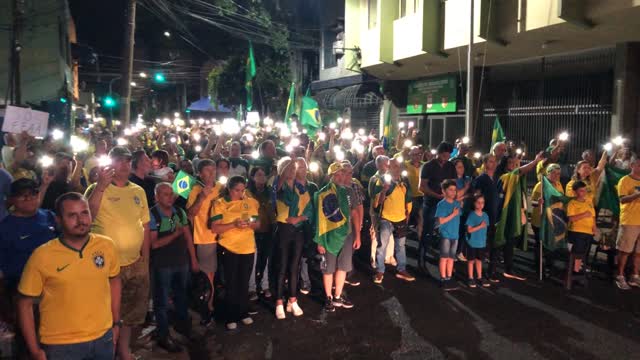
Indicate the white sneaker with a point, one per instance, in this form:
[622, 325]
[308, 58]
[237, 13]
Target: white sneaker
[295, 308]
[232, 326]
[634, 281]
[622, 283]
[280, 312]
[247, 321]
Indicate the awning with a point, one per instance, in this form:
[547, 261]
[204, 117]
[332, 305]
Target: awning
[354, 96]
[204, 104]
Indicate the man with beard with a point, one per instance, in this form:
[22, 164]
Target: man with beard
[76, 276]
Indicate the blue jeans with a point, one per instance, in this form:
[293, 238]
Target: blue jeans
[98, 349]
[386, 230]
[448, 248]
[170, 280]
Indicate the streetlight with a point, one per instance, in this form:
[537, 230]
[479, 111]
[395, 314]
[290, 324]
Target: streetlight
[143, 75]
[167, 34]
[133, 83]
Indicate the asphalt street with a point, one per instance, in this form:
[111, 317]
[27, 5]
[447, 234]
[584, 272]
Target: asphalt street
[398, 320]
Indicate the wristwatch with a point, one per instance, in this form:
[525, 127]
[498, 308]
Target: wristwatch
[118, 323]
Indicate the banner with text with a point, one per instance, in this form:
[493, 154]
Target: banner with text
[434, 95]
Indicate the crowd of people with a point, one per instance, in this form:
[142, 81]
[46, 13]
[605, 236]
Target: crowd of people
[96, 224]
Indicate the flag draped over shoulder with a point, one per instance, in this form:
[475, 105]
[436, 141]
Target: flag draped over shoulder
[388, 134]
[553, 222]
[332, 217]
[512, 187]
[249, 74]
[607, 195]
[183, 184]
[291, 104]
[310, 115]
[497, 134]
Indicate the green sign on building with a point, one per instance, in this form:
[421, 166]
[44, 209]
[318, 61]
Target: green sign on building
[435, 95]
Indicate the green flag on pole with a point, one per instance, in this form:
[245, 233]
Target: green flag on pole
[497, 134]
[291, 104]
[183, 184]
[388, 133]
[250, 73]
[310, 115]
[553, 224]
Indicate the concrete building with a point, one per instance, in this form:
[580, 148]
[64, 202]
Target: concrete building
[48, 72]
[541, 66]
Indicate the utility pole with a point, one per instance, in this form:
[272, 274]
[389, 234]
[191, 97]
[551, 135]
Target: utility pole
[468, 119]
[127, 62]
[14, 91]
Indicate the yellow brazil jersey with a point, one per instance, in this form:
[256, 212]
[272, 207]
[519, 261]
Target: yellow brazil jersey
[629, 212]
[290, 202]
[397, 204]
[201, 229]
[75, 290]
[238, 241]
[536, 194]
[413, 173]
[576, 207]
[593, 180]
[122, 216]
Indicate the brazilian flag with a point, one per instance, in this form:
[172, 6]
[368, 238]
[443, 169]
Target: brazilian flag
[497, 134]
[512, 187]
[183, 184]
[291, 104]
[607, 195]
[249, 74]
[388, 132]
[553, 224]
[332, 217]
[310, 115]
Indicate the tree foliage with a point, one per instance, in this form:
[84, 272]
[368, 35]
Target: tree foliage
[226, 82]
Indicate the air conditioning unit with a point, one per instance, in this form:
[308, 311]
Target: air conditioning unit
[338, 48]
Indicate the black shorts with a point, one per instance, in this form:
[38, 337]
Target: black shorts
[581, 242]
[475, 253]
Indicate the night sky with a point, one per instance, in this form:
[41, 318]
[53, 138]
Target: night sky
[100, 24]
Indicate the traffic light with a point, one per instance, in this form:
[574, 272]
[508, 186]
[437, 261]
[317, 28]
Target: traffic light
[109, 102]
[159, 77]
[187, 111]
[63, 100]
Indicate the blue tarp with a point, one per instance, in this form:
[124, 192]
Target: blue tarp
[204, 104]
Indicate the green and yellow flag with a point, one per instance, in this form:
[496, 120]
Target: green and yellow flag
[388, 132]
[183, 184]
[553, 224]
[291, 104]
[249, 74]
[512, 187]
[310, 115]
[607, 195]
[332, 217]
[497, 134]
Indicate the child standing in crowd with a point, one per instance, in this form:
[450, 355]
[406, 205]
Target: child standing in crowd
[582, 223]
[448, 215]
[477, 223]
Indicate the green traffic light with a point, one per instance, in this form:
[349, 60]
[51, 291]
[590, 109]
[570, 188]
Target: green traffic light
[63, 100]
[187, 111]
[109, 102]
[159, 77]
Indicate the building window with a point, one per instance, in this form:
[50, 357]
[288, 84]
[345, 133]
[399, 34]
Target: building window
[328, 39]
[373, 13]
[408, 7]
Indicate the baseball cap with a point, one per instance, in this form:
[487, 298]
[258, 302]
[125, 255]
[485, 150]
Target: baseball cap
[120, 151]
[334, 168]
[22, 185]
[552, 167]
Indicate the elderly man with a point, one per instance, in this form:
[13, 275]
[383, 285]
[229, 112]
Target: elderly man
[119, 209]
[370, 168]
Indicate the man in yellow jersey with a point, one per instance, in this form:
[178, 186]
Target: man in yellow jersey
[391, 198]
[120, 211]
[76, 277]
[413, 166]
[629, 234]
[199, 209]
